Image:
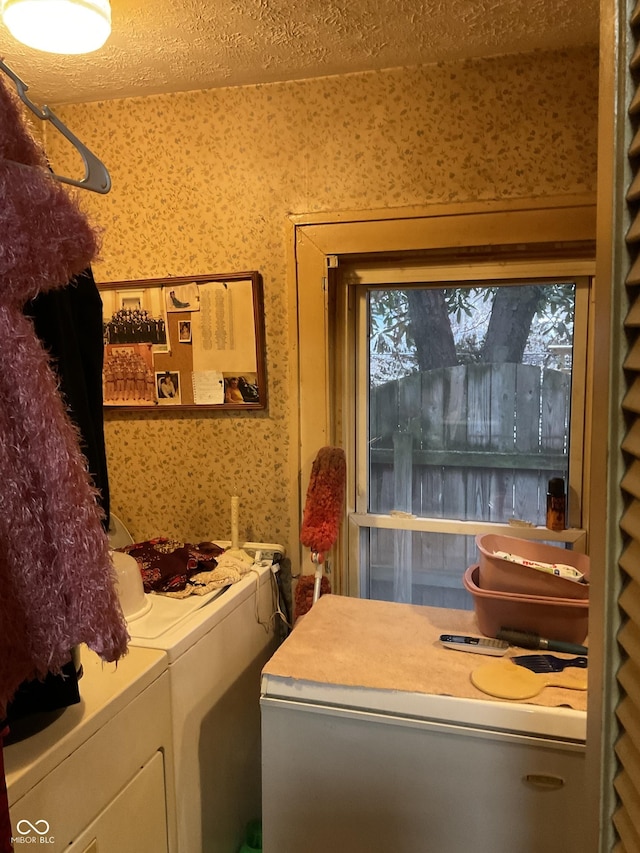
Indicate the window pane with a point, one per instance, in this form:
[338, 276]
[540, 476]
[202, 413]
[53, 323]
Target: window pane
[438, 561]
[469, 393]
[469, 399]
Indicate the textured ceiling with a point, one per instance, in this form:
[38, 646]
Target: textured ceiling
[168, 46]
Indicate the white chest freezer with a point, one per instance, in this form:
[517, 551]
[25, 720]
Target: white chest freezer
[374, 739]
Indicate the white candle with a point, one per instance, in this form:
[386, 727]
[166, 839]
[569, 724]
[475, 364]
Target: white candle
[235, 508]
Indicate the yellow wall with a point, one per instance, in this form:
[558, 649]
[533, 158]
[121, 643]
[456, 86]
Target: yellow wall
[203, 183]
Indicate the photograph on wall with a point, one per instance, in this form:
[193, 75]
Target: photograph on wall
[168, 387]
[134, 317]
[241, 389]
[182, 297]
[184, 331]
[128, 376]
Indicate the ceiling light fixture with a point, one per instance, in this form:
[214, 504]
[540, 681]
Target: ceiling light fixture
[59, 26]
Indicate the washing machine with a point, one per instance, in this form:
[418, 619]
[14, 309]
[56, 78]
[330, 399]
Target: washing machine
[216, 646]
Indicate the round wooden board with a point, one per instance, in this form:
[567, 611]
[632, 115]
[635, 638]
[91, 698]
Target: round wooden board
[506, 680]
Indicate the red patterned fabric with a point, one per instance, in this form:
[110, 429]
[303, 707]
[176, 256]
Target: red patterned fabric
[166, 565]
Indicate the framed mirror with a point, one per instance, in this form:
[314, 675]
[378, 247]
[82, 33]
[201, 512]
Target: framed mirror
[191, 342]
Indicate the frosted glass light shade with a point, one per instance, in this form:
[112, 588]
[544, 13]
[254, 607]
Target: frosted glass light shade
[59, 26]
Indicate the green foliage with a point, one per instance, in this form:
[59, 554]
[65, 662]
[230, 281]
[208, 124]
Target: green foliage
[555, 316]
[468, 309]
[389, 321]
[459, 300]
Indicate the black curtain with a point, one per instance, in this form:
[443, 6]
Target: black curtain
[68, 321]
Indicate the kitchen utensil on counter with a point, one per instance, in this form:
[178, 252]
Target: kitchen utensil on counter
[530, 640]
[504, 680]
[549, 663]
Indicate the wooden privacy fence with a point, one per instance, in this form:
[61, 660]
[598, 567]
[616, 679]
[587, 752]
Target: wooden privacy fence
[472, 442]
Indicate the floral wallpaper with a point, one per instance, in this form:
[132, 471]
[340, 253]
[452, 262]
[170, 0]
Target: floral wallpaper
[203, 183]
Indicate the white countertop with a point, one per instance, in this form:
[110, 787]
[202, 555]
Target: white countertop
[105, 689]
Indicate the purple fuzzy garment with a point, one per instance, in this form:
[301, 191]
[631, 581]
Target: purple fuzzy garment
[57, 583]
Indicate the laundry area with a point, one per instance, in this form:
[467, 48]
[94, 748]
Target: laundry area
[174, 729]
[301, 455]
[397, 716]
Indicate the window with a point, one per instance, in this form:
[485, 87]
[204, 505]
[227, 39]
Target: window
[332, 254]
[469, 395]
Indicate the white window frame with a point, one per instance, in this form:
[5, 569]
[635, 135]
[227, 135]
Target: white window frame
[360, 278]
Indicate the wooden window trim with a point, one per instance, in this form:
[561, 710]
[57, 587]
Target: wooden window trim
[319, 240]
